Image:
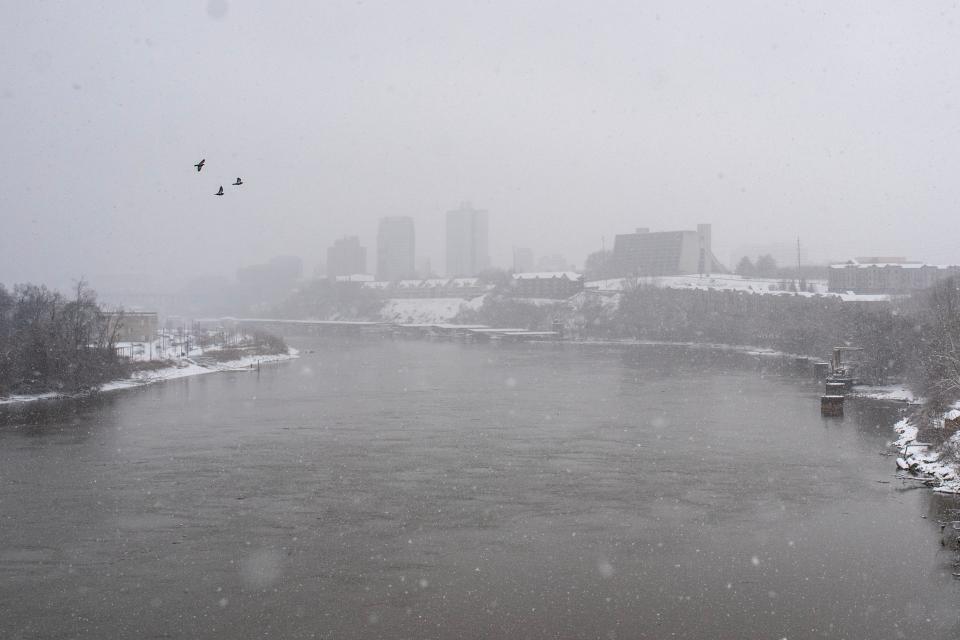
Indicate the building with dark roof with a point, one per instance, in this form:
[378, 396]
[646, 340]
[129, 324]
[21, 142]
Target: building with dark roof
[552, 284]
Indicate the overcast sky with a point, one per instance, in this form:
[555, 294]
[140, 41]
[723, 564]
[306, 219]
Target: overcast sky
[568, 121]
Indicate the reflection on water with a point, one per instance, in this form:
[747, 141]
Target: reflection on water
[409, 489]
[76, 416]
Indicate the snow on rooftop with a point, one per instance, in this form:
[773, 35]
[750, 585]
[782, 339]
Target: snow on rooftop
[729, 282]
[546, 275]
[428, 283]
[882, 265]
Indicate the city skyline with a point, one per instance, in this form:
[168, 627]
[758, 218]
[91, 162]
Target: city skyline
[562, 126]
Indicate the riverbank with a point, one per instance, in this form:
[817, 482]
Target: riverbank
[183, 367]
[938, 464]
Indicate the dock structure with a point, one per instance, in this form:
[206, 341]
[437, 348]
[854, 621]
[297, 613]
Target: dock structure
[442, 331]
[836, 388]
[831, 406]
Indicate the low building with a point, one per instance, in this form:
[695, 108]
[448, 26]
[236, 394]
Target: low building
[547, 284]
[894, 276]
[132, 326]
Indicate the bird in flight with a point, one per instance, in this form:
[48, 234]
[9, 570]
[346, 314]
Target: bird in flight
[199, 165]
[219, 193]
[238, 182]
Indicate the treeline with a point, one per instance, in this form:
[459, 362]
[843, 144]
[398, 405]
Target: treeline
[935, 350]
[231, 347]
[329, 300]
[501, 309]
[52, 343]
[793, 324]
[916, 339]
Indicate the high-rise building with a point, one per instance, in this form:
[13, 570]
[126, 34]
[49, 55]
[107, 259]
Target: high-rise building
[467, 241]
[522, 260]
[346, 257]
[395, 249]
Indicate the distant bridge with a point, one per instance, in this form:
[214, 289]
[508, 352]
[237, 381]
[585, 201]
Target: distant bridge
[476, 332]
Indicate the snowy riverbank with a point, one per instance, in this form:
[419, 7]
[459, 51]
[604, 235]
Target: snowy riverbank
[939, 464]
[194, 365]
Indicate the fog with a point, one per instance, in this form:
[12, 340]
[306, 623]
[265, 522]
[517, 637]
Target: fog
[568, 122]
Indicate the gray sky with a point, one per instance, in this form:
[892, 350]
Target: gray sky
[567, 121]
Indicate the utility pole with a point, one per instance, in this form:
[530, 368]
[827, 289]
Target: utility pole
[799, 274]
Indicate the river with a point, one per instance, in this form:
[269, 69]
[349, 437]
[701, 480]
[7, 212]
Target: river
[403, 489]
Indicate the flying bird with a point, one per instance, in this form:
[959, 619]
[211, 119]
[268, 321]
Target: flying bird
[219, 193]
[238, 182]
[199, 165]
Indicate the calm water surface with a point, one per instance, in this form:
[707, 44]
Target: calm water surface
[433, 490]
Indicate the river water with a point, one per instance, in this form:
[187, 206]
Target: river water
[381, 489]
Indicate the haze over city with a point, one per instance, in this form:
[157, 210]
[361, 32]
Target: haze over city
[480, 319]
[568, 123]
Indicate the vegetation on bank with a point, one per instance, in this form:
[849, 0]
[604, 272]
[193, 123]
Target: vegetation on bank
[322, 298]
[257, 343]
[916, 339]
[51, 343]
[792, 324]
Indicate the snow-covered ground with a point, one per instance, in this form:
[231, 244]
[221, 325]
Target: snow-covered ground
[188, 367]
[728, 282]
[938, 464]
[169, 347]
[184, 367]
[426, 310]
[51, 395]
[920, 458]
[896, 392]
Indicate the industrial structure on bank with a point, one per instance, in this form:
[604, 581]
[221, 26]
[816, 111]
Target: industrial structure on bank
[665, 253]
